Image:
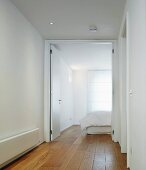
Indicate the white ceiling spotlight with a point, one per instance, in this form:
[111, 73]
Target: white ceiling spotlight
[51, 23]
[93, 28]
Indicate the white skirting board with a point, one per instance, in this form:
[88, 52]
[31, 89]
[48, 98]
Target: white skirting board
[13, 146]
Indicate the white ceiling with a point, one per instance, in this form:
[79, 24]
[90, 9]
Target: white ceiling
[73, 17]
[90, 56]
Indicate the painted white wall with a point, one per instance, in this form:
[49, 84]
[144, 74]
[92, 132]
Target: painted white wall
[21, 73]
[79, 94]
[137, 53]
[123, 92]
[66, 117]
[124, 85]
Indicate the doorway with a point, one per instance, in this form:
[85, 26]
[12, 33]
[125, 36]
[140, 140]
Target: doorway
[50, 58]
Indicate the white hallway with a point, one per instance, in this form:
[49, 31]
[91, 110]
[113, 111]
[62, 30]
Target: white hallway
[24, 27]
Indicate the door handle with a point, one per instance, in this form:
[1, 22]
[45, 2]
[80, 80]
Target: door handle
[59, 101]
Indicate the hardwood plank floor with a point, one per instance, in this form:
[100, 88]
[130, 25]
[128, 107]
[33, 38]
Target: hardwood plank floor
[73, 151]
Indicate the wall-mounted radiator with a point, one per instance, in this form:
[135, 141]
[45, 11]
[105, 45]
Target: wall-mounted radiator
[13, 146]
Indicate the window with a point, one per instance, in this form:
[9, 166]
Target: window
[99, 90]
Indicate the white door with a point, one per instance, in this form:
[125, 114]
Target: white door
[55, 93]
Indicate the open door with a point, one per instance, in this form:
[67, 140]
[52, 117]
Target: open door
[55, 93]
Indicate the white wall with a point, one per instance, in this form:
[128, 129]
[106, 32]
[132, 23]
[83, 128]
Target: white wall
[123, 92]
[21, 73]
[137, 53]
[79, 94]
[66, 117]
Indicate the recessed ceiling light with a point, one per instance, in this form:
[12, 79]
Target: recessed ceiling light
[51, 23]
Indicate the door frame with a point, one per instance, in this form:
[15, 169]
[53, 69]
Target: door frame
[123, 88]
[47, 77]
[125, 24]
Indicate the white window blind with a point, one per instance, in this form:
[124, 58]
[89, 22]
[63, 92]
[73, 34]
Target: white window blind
[99, 90]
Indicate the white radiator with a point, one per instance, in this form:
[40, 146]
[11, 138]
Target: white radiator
[16, 145]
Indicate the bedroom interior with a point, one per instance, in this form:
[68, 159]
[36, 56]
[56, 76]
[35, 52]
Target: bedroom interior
[83, 85]
[49, 90]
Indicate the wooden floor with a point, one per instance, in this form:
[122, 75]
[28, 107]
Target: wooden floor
[72, 151]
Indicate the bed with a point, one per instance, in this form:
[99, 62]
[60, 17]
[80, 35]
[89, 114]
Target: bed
[96, 123]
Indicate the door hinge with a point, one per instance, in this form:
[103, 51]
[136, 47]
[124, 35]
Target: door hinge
[113, 51]
[51, 132]
[50, 51]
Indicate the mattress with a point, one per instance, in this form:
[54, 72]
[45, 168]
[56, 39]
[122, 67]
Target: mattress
[96, 119]
[98, 130]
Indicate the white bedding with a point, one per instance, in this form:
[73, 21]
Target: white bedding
[100, 118]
